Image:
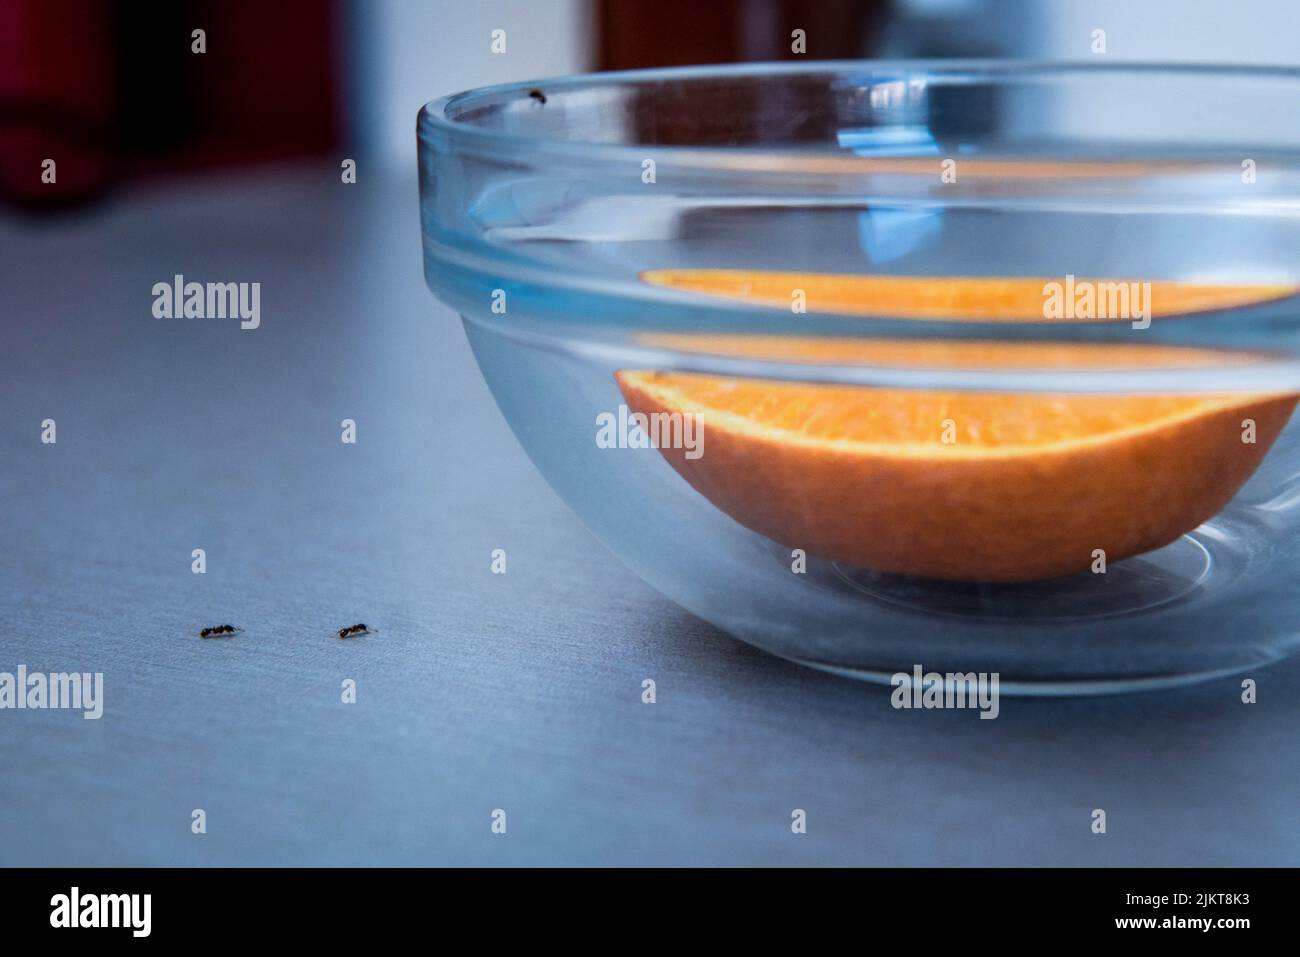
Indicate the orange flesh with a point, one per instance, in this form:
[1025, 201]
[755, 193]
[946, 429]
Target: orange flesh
[963, 485]
[909, 423]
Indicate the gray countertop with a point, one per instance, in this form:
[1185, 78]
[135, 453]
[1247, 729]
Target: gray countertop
[480, 691]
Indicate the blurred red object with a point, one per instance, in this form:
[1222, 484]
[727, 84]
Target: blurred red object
[57, 100]
[114, 88]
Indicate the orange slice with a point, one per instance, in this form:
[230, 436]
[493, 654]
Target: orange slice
[968, 486]
[1019, 299]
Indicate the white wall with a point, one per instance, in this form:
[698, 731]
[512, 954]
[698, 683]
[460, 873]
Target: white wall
[407, 52]
[1209, 31]
[1250, 32]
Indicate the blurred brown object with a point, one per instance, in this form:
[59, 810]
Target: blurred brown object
[650, 33]
[636, 34]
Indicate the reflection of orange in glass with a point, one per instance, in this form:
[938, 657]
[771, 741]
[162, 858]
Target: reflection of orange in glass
[986, 299]
[970, 486]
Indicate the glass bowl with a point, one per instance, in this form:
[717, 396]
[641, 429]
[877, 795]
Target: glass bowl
[952, 366]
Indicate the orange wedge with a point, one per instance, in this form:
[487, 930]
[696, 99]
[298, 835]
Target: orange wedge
[967, 486]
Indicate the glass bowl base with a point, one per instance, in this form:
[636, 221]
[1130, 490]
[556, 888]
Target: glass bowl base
[1218, 600]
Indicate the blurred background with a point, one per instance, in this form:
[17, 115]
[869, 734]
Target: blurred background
[116, 90]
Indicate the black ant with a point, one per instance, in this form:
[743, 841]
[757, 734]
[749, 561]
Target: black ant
[538, 95]
[219, 631]
[353, 630]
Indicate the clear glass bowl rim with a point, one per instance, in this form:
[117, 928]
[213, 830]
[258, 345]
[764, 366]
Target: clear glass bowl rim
[441, 116]
[459, 266]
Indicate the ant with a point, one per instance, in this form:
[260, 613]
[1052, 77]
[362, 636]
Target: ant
[219, 631]
[538, 95]
[353, 630]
